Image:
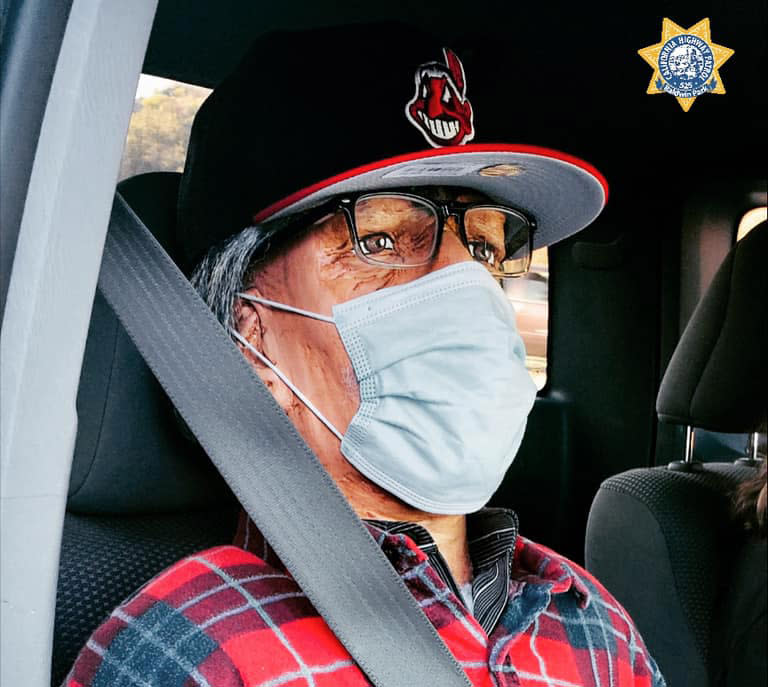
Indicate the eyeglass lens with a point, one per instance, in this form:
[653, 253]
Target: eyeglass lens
[393, 229]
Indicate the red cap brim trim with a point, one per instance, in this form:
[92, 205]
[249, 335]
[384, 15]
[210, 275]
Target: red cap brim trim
[267, 212]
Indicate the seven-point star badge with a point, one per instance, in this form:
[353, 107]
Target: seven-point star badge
[686, 62]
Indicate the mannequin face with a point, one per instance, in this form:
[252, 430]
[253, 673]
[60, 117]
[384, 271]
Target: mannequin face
[316, 271]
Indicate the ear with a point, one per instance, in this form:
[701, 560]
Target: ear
[251, 321]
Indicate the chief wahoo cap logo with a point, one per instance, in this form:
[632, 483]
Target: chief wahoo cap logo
[439, 108]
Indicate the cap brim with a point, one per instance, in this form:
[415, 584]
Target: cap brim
[561, 192]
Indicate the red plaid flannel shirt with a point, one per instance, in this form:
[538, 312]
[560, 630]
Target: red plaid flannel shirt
[234, 617]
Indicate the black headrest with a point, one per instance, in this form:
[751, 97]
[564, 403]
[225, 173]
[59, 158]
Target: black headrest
[717, 378]
[678, 525]
[130, 454]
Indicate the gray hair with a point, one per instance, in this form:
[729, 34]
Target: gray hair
[228, 267]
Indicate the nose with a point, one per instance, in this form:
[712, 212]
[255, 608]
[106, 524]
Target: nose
[434, 103]
[434, 106]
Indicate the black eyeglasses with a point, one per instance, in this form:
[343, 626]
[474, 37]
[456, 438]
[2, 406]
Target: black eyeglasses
[402, 230]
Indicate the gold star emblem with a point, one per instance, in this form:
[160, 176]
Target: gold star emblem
[686, 62]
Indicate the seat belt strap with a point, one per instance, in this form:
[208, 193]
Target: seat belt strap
[272, 472]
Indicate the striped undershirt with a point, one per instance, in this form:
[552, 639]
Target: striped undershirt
[491, 533]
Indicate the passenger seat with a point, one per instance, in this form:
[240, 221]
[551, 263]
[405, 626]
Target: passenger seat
[662, 539]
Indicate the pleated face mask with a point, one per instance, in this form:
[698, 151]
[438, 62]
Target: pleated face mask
[444, 393]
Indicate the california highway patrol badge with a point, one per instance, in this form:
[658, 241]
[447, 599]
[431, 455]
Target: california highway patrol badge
[686, 62]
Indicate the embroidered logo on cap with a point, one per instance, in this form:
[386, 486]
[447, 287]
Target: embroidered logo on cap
[439, 108]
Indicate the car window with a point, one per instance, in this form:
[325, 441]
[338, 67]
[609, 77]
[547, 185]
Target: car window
[529, 295]
[750, 220]
[160, 125]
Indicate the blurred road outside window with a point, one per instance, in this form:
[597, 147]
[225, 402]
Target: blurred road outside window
[529, 295]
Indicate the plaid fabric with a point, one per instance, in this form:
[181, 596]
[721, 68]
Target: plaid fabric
[233, 617]
[491, 534]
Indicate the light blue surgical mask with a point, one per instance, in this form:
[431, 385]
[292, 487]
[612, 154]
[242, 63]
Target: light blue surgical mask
[444, 393]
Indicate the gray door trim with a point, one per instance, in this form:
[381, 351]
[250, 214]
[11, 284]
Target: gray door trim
[30, 38]
[45, 322]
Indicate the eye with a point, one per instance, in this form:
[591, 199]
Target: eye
[375, 243]
[446, 95]
[483, 252]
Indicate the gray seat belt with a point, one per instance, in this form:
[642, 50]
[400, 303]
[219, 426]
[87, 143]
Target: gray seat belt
[270, 469]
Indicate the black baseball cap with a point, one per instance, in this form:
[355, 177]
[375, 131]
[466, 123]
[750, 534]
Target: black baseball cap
[314, 114]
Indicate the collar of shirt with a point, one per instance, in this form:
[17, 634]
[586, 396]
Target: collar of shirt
[503, 563]
[491, 533]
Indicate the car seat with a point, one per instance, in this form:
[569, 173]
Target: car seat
[662, 539]
[142, 495]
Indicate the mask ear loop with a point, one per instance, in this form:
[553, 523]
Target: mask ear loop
[287, 382]
[287, 308]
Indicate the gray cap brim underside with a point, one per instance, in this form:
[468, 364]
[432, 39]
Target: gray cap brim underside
[562, 197]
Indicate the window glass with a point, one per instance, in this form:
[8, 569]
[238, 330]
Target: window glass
[750, 220]
[714, 447]
[160, 124]
[529, 295]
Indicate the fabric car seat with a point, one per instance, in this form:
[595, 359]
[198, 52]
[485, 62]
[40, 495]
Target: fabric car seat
[141, 494]
[661, 539]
